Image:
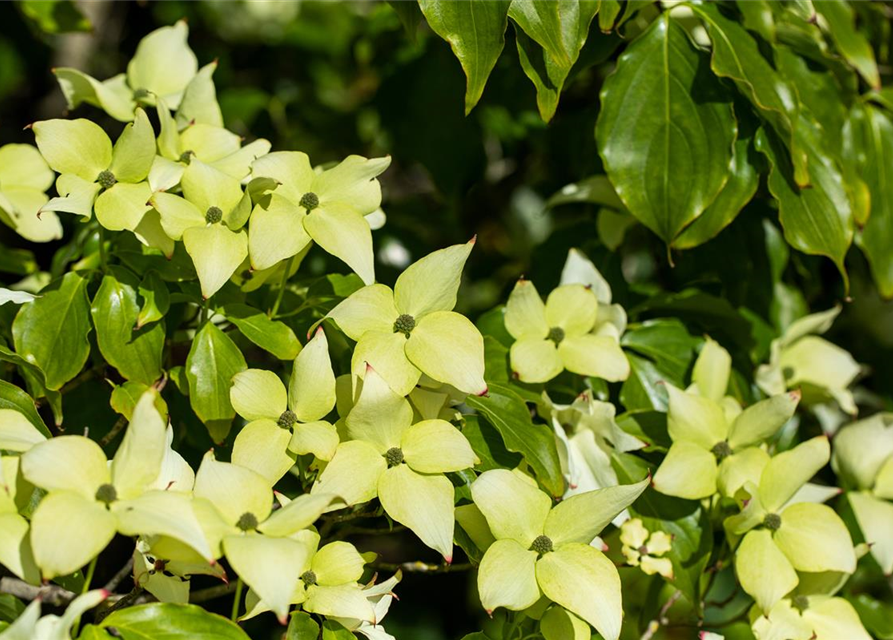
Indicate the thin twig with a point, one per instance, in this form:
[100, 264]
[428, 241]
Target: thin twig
[212, 592]
[126, 570]
[125, 601]
[423, 567]
[661, 619]
[50, 594]
[113, 432]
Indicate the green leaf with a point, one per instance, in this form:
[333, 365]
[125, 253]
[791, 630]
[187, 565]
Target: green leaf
[817, 220]
[125, 397]
[51, 332]
[666, 130]
[11, 397]
[758, 17]
[17, 261]
[331, 630]
[302, 627]
[10, 607]
[55, 16]
[271, 335]
[92, 632]
[488, 445]
[172, 622]
[607, 15]
[877, 616]
[409, 15]
[476, 33]
[156, 300]
[135, 353]
[591, 190]
[505, 410]
[550, 37]
[34, 380]
[744, 178]
[853, 46]
[872, 155]
[212, 362]
[736, 55]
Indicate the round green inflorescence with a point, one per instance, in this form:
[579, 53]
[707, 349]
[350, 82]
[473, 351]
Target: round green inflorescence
[721, 450]
[542, 545]
[287, 420]
[214, 215]
[309, 201]
[800, 603]
[772, 521]
[394, 456]
[106, 494]
[141, 94]
[556, 335]
[186, 156]
[247, 521]
[106, 179]
[404, 324]
[308, 578]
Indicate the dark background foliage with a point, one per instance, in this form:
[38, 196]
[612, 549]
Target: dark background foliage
[333, 79]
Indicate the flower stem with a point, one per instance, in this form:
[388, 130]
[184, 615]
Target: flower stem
[103, 258]
[285, 274]
[237, 599]
[91, 569]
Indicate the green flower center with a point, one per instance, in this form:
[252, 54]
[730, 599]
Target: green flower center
[214, 215]
[308, 578]
[394, 456]
[800, 603]
[247, 521]
[106, 179]
[721, 450]
[287, 420]
[309, 201]
[106, 494]
[772, 521]
[186, 156]
[542, 545]
[556, 335]
[140, 94]
[404, 324]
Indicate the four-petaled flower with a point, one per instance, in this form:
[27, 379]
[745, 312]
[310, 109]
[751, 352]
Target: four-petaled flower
[642, 548]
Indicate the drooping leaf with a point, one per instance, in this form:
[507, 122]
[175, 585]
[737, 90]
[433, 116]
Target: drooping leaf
[736, 55]
[212, 362]
[135, 353]
[488, 445]
[666, 129]
[549, 41]
[302, 627]
[852, 44]
[171, 622]
[816, 220]
[51, 332]
[155, 299]
[476, 33]
[507, 412]
[607, 15]
[272, 335]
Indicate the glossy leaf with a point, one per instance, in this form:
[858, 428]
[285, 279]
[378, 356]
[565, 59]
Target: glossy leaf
[665, 130]
[51, 332]
[172, 622]
[271, 335]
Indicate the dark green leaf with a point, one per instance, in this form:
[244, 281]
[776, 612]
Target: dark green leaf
[51, 332]
[744, 178]
[488, 445]
[496, 361]
[591, 190]
[271, 335]
[476, 32]
[817, 220]
[331, 630]
[871, 131]
[737, 56]
[302, 627]
[758, 17]
[10, 607]
[877, 616]
[135, 353]
[172, 622]
[507, 412]
[550, 39]
[666, 129]
[11, 397]
[840, 23]
[156, 299]
[17, 261]
[607, 15]
[34, 380]
[409, 15]
[212, 362]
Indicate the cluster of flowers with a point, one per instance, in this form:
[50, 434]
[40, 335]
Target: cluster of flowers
[387, 429]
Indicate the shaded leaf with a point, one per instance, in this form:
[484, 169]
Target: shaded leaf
[172, 622]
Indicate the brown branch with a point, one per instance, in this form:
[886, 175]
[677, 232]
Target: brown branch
[422, 567]
[126, 570]
[124, 601]
[212, 592]
[50, 594]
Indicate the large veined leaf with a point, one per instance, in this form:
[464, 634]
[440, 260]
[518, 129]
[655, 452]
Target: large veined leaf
[51, 332]
[212, 362]
[549, 41]
[816, 220]
[666, 130]
[476, 32]
[853, 45]
[171, 622]
[506, 411]
[135, 353]
[271, 335]
[871, 138]
[736, 55]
